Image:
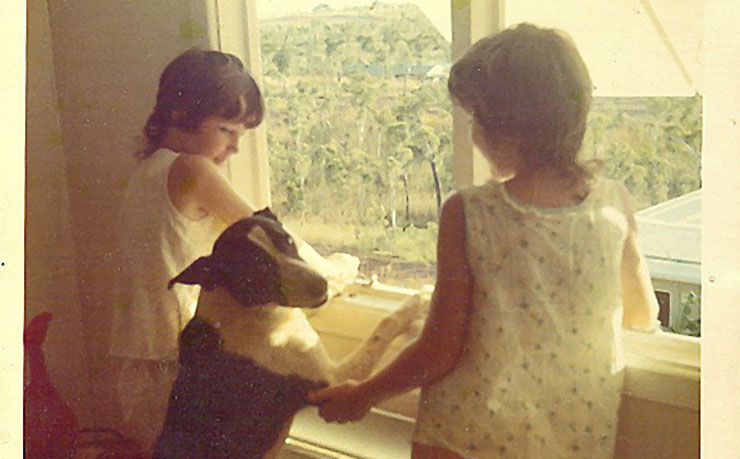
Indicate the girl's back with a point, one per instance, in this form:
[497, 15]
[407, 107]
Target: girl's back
[540, 375]
[520, 349]
[156, 242]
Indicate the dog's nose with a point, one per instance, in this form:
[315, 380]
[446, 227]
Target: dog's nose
[318, 287]
[301, 286]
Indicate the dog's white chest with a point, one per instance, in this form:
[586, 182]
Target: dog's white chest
[278, 339]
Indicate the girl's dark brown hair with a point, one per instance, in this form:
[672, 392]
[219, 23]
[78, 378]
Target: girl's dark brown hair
[198, 84]
[529, 83]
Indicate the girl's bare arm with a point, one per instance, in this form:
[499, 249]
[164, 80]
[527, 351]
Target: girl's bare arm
[638, 299]
[436, 351]
[194, 180]
[639, 302]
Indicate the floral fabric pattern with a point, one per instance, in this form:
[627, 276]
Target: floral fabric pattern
[541, 374]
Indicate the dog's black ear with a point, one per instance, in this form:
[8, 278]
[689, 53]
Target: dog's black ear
[266, 212]
[200, 272]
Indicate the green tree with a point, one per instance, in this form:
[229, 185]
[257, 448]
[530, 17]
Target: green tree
[397, 162]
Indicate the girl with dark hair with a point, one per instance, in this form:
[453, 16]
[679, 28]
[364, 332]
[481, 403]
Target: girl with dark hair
[176, 203]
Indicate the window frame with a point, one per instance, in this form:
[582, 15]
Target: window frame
[665, 354]
[250, 171]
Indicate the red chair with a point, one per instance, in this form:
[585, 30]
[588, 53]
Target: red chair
[49, 424]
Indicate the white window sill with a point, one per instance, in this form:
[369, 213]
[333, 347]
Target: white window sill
[663, 367]
[379, 435]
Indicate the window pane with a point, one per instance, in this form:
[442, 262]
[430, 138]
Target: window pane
[645, 124]
[359, 128]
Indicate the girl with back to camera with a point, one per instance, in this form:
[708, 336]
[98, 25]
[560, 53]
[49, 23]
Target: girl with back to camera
[177, 202]
[537, 272]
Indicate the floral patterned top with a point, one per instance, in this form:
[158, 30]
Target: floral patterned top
[541, 374]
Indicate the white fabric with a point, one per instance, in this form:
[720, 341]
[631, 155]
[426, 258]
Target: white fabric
[143, 388]
[541, 374]
[156, 243]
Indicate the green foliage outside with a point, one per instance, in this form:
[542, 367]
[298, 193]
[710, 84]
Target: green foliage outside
[689, 319]
[359, 133]
[652, 145]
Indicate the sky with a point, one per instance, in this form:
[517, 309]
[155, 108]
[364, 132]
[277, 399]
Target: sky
[437, 11]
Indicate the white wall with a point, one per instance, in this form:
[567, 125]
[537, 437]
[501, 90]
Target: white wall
[51, 283]
[720, 249]
[102, 60]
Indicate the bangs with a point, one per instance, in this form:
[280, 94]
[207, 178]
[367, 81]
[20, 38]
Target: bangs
[244, 112]
[210, 83]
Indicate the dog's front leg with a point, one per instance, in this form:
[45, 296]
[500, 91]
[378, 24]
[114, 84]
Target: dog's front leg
[275, 450]
[360, 363]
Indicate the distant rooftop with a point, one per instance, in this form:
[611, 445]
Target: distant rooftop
[670, 236]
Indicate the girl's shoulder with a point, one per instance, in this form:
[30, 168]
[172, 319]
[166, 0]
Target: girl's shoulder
[188, 176]
[453, 200]
[489, 196]
[192, 168]
[453, 209]
[196, 163]
[485, 191]
[493, 198]
[492, 194]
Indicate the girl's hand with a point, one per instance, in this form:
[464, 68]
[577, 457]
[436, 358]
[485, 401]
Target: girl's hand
[344, 402]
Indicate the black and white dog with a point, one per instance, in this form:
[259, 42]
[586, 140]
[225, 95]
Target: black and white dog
[246, 361]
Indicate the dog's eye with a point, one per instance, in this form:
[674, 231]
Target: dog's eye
[289, 241]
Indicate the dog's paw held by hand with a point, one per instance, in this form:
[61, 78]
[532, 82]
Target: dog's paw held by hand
[411, 315]
[415, 327]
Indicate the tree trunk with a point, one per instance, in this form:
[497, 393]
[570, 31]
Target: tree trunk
[393, 206]
[437, 189]
[405, 179]
[302, 183]
[361, 129]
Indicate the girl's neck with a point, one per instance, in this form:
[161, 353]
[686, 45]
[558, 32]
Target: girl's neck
[548, 188]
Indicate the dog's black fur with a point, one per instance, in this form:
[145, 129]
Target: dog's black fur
[223, 405]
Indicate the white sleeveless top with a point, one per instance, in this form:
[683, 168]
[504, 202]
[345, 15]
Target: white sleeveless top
[155, 243]
[541, 375]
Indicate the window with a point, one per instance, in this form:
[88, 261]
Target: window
[360, 129]
[688, 321]
[358, 109]
[618, 118]
[719, 133]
